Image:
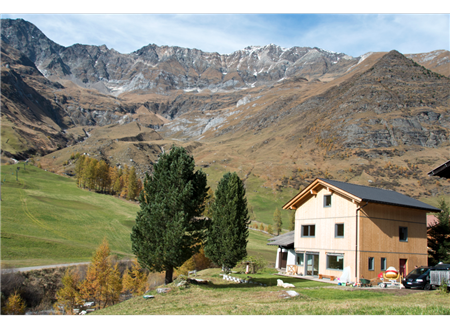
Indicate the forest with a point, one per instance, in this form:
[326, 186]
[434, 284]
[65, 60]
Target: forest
[99, 176]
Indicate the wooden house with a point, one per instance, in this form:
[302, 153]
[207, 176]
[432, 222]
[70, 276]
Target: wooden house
[340, 225]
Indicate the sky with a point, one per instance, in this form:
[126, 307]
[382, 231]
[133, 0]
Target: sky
[223, 31]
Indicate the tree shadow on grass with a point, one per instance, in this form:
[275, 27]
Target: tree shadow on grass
[270, 282]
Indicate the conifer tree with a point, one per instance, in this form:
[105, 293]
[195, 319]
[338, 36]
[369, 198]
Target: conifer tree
[68, 297]
[227, 236]
[439, 236]
[167, 231]
[132, 184]
[292, 221]
[277, 221]
[96, 286]
[135, 279]
[14, 305]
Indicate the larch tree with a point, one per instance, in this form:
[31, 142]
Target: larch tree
[135, 279]
[292, 221]
[68, 297]
[168, 231]
[101, 282]
[132, 184]
[277, 221]
[14, 305]
[227, 236]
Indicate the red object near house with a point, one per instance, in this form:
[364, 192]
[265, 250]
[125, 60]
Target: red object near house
[391, 272]
[380, 275]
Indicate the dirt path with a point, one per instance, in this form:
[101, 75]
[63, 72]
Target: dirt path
[45, 267]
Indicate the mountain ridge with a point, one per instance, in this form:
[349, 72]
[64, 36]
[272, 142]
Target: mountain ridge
[163, 68]
[342, 120]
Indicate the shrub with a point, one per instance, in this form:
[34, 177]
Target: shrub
[444, 288]
[256, 264]
[14, 305]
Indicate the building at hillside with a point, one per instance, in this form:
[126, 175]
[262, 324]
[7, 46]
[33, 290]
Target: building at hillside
[340, 225]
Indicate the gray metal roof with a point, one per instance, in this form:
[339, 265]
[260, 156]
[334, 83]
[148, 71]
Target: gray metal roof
[378, 195]
[283, 240]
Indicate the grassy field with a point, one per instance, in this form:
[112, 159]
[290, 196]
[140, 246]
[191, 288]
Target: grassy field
[46, 219]
[261, 199]
[221, 297]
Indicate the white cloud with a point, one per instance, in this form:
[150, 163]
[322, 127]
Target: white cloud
[225, 33]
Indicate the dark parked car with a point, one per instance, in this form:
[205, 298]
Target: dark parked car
[419, 277]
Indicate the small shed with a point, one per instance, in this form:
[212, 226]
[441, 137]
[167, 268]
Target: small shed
[286, 253]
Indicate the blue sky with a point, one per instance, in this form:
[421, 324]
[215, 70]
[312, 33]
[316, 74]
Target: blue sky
[353, 34]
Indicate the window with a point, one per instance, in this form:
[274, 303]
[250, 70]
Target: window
[327, 201]
[335, 262]
[383, 264]
[339, 230]
[371, 264]
[300, 259]
[403, 233]
[308, 230]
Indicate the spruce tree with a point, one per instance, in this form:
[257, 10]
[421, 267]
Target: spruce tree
[227, 236]
[439, 237]
[167, 230]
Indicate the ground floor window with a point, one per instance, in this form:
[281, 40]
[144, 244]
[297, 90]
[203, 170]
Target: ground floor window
[383, 264]
[300, 259]
[371, 264]
[335, 262]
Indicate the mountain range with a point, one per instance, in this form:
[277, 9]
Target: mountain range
[281, 115]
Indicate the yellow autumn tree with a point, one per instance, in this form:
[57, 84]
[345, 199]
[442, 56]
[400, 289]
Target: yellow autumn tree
[14, 305]
[198, 262]
[135, 279]
[114, 286]
[99, 275]
[68, 297]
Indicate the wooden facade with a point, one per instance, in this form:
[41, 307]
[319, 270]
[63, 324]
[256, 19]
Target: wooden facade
[335, 229]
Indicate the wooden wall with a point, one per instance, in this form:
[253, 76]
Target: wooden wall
[379, 237]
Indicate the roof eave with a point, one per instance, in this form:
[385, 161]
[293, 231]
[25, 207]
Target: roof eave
[291, 204]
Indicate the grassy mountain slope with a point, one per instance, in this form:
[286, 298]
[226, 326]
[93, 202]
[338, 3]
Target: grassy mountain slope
[46, 219]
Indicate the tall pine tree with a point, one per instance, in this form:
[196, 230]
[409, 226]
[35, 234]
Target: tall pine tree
[167, 230]
[227, 236]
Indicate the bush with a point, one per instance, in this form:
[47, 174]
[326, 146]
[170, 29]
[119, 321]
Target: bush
[14, 305]
[256, 264]
[444, 288]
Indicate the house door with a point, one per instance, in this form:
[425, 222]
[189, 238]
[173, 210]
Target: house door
[312, 264]
[282, 259]
[403, 269]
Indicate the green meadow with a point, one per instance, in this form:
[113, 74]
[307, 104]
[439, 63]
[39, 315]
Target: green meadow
[46, 219]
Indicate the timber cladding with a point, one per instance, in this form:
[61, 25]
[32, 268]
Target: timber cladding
[381, 237]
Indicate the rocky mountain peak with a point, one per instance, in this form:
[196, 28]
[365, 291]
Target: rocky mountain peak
[163, 69]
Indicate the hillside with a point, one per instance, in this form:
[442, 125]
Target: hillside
[46, 220]
[279, 117]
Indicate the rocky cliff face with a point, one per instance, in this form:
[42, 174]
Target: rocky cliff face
[162, 69]
[264, 107]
